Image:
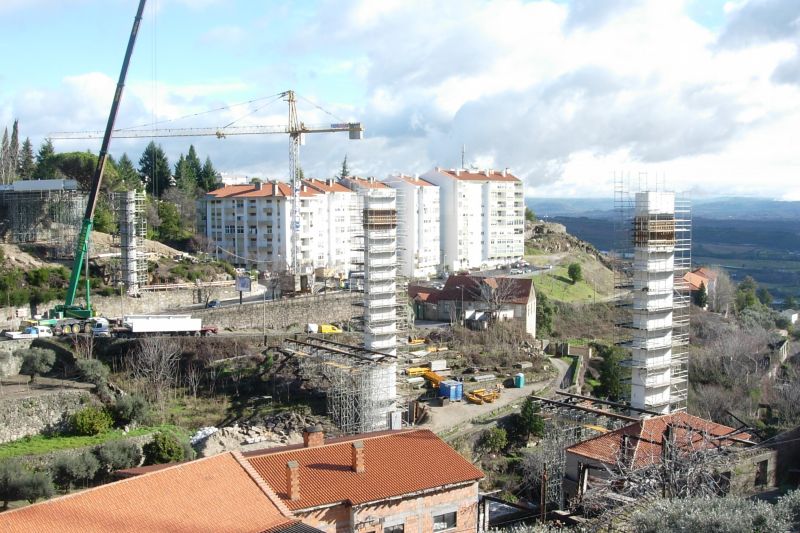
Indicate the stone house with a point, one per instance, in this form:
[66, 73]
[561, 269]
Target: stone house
[393, 481]
[478, 301]
[642, 444]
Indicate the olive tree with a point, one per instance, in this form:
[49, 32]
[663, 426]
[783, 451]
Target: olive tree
[35, 361]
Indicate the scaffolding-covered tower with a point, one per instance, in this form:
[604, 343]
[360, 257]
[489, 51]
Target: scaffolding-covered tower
[42, 212]
[132, 231]
[656, 296]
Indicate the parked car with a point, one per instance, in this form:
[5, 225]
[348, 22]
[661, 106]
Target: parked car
[31, 332]
[515, 271]
[213, 304]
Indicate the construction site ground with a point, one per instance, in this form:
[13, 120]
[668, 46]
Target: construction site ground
[459, 418]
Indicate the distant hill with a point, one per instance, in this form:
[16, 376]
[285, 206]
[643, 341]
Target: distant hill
[740, 208]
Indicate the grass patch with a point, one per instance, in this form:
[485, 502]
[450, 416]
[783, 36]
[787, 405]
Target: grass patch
[197, 412]
[40, 444]
[591, 381]
[556, 285]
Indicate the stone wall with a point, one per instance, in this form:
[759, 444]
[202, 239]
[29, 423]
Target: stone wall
[151, 302]
[48, 411]
[10, 365]
[283, 314]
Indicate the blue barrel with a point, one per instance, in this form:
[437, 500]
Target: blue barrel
[459, 391]
[519, 380]
[444, 389]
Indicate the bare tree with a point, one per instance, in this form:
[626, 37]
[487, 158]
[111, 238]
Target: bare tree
[83, 346]
[154, 363]
[193, 375]
[496, 293]
[721, 298]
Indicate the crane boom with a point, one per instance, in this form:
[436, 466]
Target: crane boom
[295, 129]
[354, 127]
[69, 309]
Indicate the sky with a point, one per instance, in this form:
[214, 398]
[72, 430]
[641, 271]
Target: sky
[700, 96]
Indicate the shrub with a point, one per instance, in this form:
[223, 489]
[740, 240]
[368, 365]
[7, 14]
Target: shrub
[19, 483]
[164, 448]
[93, 371]
[531, 421]
[35, 361]
[575, 272]
[70, 470]
[91, 421]
[118, 454]
[789, 507]
[493, 440]
[130, 409]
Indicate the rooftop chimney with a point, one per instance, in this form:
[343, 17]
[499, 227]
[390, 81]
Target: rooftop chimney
[293, 480]
[458, 172]
[313, 436]
[329, 182]
[357, 457]
[258, 185]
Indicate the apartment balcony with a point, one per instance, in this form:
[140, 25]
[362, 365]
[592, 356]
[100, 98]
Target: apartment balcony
[379, 303]
[378, 316]
[381, 261]
[377, 275]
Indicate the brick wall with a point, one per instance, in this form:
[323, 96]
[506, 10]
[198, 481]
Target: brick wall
[415, 513]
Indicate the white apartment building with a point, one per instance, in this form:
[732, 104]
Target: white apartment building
[482, 217]
[248, 225]
[418, 247]
[338, 207]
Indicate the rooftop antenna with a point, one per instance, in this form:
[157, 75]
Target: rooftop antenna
[463, 154]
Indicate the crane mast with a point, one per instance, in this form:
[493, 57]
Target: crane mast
[69, 309]
[295, 137]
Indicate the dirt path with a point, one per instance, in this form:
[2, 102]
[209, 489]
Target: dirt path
[458, 417]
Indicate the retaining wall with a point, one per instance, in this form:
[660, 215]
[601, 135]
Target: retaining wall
[47, 411]
[282, 314]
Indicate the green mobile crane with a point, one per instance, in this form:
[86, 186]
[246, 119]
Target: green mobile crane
[70, 317]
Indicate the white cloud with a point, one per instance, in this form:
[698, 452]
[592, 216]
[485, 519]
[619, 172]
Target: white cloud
[563, 94]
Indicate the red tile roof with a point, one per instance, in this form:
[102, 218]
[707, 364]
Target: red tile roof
[397, 463]
[326, 185]
[355, 182]
[268, 189]
[220, 494]
[412, 180]
[646, 438]
[488, 175]
[512, 290]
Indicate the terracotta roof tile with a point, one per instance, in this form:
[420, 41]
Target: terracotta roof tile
[514, 290]
[354, 182]
[326, 185]
[268, 189]
[397, 463]
[213, 494]
[647, 437]
[489, 175]
[410, 179]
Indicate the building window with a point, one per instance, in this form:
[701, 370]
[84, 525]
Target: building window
[397, 528]
[444, 521]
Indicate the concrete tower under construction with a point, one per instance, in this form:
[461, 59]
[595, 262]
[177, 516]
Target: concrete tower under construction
[657, 298]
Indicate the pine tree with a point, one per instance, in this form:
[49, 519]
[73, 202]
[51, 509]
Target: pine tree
[27, 165]
[5, 156]
[345, 172]
[209, 180]
[193, 162]
[154, 169]
[701, 297]
[128, 174]
[45, 161]
[185, 178]
[13, 152]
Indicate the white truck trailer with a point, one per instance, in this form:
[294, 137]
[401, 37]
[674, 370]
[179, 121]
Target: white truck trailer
[152, 325]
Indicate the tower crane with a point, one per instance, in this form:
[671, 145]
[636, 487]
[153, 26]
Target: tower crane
[295, 129]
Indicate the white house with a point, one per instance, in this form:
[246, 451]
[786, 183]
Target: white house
[418, 245]
[248, 225]
[482, 217]
[790, 315]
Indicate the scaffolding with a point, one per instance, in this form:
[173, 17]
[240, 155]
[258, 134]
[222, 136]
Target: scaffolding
[359, 384]
[652, 253]
[130, 207]
[42, 212]
[566, 422]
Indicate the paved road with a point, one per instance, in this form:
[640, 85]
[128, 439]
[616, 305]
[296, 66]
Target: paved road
[459, 415]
